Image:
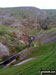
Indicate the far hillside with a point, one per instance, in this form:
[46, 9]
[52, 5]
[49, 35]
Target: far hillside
[31, 17]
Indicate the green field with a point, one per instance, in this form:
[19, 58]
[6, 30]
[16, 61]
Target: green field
[46, 62]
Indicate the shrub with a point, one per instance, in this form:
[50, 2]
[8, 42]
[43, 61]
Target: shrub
[12, 34]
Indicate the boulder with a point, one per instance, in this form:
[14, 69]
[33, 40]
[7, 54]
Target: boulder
[4, 51]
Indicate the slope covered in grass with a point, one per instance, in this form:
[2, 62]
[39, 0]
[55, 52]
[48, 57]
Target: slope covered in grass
[46, 62]
[8, 38]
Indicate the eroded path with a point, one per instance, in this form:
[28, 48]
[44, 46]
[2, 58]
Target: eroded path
[27, 60]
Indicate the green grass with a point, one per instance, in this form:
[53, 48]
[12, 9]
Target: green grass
[46, 62]
[43, 49]
[7, 28]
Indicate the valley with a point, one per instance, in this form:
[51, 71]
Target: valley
[27, 40]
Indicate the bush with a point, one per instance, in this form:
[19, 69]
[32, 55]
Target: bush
[2, 32]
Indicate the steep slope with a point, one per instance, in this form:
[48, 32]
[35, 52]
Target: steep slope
[16, 41]
[9, 40]
[46, 62]
[28, 17]
[21, 16]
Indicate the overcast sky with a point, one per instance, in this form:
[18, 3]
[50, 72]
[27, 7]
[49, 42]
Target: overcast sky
[43, 4]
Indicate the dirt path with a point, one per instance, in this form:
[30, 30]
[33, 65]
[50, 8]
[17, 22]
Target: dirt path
[25, 61]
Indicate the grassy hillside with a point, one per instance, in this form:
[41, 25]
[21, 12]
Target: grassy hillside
[7, 37]
[46, 62]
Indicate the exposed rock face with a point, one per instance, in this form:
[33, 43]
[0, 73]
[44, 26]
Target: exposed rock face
[4, 51]
[47, 38]
[24, 38]
[53, 39]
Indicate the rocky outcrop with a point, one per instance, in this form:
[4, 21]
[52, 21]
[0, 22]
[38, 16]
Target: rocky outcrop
[4, 51]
